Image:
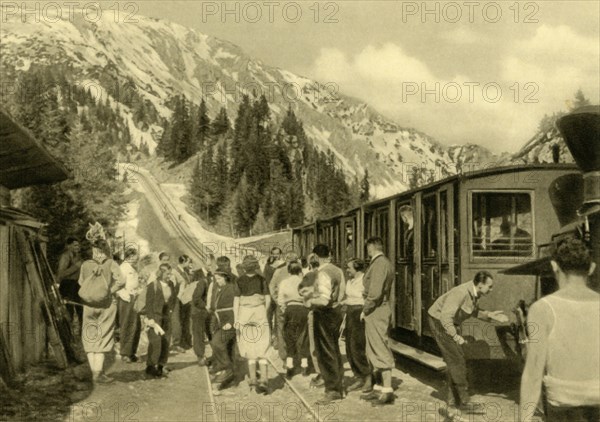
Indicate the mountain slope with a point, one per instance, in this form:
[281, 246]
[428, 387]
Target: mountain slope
[157, 59]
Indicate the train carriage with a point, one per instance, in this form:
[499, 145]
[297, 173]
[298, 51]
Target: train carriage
[441, 234]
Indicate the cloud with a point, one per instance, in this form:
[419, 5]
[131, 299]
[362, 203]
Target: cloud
[559, 61]
[555, 61]
[462, 36]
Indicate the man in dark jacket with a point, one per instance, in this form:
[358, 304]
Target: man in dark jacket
[161, 296]
[377, 315]
[223, 342]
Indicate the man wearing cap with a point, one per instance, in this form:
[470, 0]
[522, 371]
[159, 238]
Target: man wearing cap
[377, 315]
[329, 291]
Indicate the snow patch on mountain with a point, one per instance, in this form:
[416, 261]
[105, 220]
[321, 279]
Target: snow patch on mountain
[163, 59]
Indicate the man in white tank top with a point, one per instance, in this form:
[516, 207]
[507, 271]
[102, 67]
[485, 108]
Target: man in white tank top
[564, 342]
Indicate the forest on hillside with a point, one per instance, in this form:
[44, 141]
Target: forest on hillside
[86, 136]
[251, 175]
[256, 175]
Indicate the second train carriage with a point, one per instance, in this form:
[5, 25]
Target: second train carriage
[441, 234]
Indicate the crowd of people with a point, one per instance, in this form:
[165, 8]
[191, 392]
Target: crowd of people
[301, 306]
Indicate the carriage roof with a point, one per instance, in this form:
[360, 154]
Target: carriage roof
[457, 177]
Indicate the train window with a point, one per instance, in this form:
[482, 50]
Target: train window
[502, 224]
[382, 228]
[429, 236]
[404, 236]
[349, 242]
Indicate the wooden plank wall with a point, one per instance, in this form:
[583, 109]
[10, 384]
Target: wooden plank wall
[21, 318]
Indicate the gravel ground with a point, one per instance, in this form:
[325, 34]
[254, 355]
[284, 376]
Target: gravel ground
[47, 393]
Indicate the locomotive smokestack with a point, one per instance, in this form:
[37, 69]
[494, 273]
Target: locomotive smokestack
[581, 132]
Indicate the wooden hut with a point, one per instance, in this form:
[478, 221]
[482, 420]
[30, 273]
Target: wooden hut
[32, 316]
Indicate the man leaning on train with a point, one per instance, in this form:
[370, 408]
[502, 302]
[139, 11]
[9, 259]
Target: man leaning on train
[445, 317]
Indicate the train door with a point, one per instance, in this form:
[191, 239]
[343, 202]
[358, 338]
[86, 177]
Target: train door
[348, 235]
[405, 298]
[437, 248]
[335, 243]
[429, 254]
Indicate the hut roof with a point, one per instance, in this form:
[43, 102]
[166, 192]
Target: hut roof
[23, 160]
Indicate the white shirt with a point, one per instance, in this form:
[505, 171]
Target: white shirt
[131, 281]
[354, 291]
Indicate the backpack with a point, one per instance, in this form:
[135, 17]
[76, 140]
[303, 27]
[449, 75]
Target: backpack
[95, 288]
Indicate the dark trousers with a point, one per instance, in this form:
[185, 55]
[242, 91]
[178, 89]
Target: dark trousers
[295, 331]
[356, 342]
[198, 332]
[327, 323]
[456, 365]
[129, 327]
[185, 321]
[279, 330]
[572, 414]
[69, 290]
[209, 326]
[224, 349]
[158, 346]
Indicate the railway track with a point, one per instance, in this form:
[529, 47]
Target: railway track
[290, 394]
[169, 213]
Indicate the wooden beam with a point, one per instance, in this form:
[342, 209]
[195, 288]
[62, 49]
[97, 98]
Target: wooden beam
[37, 283]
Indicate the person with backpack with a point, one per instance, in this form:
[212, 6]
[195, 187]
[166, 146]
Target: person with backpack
[100, 278]
[129, 320]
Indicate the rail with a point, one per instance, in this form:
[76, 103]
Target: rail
[197, 247]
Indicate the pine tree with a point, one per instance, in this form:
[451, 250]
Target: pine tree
[240, 137]
[580, 100]
[220, 125]
[364, 188]
[246, 206]
[181, 138]
[166, 147]
[220, 179]
[262, 224]
[203, 126]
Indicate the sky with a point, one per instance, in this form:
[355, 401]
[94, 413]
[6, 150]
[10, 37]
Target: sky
[463, 72]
